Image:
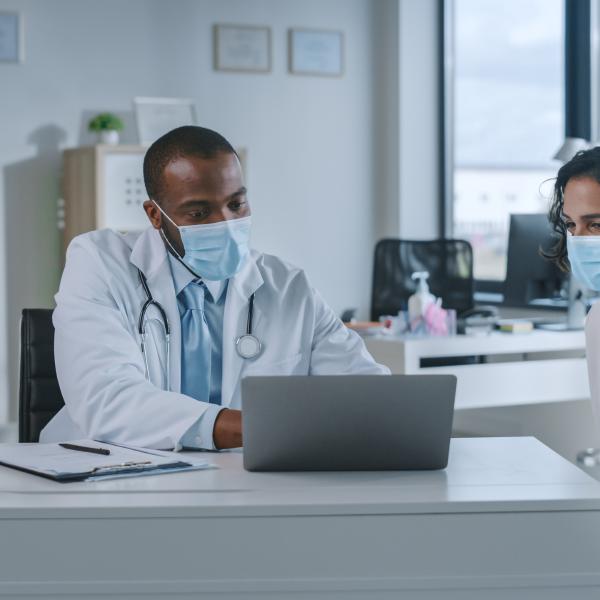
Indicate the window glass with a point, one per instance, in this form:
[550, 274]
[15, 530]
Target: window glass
[508, 118]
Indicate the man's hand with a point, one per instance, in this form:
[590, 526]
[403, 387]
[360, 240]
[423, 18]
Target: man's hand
[227, 432]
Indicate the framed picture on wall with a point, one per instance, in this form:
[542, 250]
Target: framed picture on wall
[155, 116]
[316, 52]
[242, 48]
[11, 37]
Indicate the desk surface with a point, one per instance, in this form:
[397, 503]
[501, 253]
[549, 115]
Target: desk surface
[483, 475]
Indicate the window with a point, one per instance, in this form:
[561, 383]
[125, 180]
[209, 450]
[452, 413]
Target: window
[507, 118]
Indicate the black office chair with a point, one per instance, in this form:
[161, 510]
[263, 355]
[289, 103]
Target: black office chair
[39, 394]
[450, 267]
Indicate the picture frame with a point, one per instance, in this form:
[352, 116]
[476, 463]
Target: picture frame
[242, 48]
[156, 116]
[12, 46]
[317, 52]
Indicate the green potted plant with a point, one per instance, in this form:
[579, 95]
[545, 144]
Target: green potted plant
[107, 126]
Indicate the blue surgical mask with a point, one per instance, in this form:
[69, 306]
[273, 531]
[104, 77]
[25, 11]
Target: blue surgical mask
[584, 257]
[215, 251]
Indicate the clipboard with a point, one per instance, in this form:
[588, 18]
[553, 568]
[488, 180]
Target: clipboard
[54, 462]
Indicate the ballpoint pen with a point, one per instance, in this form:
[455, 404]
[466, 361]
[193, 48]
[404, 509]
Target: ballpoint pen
[85, 449]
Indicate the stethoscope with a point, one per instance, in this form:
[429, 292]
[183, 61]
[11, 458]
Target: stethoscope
[247, 346]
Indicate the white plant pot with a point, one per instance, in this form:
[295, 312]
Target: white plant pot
[109, 136]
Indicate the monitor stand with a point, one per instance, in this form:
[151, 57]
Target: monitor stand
[576, 312]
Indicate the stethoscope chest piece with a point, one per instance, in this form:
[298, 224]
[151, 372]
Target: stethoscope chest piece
[248, 346]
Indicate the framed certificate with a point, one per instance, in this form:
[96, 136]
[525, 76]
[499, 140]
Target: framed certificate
[316, 52]
[242, 48]
[11, 37]
[156, 116]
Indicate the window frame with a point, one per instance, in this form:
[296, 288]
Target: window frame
[578, 14]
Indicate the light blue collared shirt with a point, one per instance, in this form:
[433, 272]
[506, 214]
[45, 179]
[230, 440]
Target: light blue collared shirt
[200, 434]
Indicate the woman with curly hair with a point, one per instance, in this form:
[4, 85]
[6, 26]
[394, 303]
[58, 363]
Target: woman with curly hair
[575, 217]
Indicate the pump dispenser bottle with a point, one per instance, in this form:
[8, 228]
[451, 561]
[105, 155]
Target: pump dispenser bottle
[421, 299]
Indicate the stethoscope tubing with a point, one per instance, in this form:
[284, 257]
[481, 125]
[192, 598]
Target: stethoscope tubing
[250, 315]
[150, 301]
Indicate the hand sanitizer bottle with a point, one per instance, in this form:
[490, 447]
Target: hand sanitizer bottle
[420, 300]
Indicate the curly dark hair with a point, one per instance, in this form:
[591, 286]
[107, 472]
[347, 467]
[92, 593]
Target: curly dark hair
[585, 163]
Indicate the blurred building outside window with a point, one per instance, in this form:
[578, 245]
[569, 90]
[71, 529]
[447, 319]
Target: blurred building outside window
[508, 118]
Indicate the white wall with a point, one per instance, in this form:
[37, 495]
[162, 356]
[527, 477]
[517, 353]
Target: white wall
[420, 93]
[407, 117]
[325, 166]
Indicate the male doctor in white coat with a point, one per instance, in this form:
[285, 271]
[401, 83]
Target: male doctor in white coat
[196, 264]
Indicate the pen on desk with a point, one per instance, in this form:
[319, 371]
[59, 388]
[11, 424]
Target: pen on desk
[85, 449]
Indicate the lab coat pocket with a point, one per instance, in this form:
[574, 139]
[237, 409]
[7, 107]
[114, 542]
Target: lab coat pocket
[296, 364]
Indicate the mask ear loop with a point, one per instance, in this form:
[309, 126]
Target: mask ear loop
[175, 253]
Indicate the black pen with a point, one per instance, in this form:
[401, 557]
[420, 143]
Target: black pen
[85, 449]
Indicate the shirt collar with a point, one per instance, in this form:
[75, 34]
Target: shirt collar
[182, 277]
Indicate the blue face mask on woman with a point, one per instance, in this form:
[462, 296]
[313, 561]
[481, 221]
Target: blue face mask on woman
[215, 251]
[584, 257]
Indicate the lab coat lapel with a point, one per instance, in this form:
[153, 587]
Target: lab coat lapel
[149, 255]
[240, 288]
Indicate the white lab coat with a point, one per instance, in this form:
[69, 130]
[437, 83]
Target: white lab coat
[592, 350]
[100, 365]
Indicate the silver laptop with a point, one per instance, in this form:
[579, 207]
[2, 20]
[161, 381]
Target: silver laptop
[347, 422]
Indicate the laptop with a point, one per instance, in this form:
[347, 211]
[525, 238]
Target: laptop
[347, 422]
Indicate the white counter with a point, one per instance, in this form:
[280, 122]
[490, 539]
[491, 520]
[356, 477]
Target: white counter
[512, 369]
[509, 517]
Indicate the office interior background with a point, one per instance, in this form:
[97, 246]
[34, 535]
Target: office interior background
[443, 123]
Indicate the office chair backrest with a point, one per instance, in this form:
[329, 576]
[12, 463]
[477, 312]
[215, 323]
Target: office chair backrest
[450, 267]
[39, 395]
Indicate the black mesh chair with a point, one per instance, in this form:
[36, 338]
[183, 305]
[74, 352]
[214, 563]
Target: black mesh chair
[39, 395]
[450, 267]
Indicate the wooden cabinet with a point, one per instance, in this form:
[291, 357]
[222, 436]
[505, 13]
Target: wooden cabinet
[103, 186]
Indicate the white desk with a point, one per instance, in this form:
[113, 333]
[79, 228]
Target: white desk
[537, 367]
[508, 519]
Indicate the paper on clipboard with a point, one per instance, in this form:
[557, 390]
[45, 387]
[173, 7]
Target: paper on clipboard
[61, 464]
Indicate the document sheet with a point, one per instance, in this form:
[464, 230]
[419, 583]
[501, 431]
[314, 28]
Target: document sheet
[56, 462]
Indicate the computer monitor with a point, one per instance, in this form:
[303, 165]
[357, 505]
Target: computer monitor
[532, 279]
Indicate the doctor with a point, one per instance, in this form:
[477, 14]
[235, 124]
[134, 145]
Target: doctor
[575, 216]
[154, 331]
